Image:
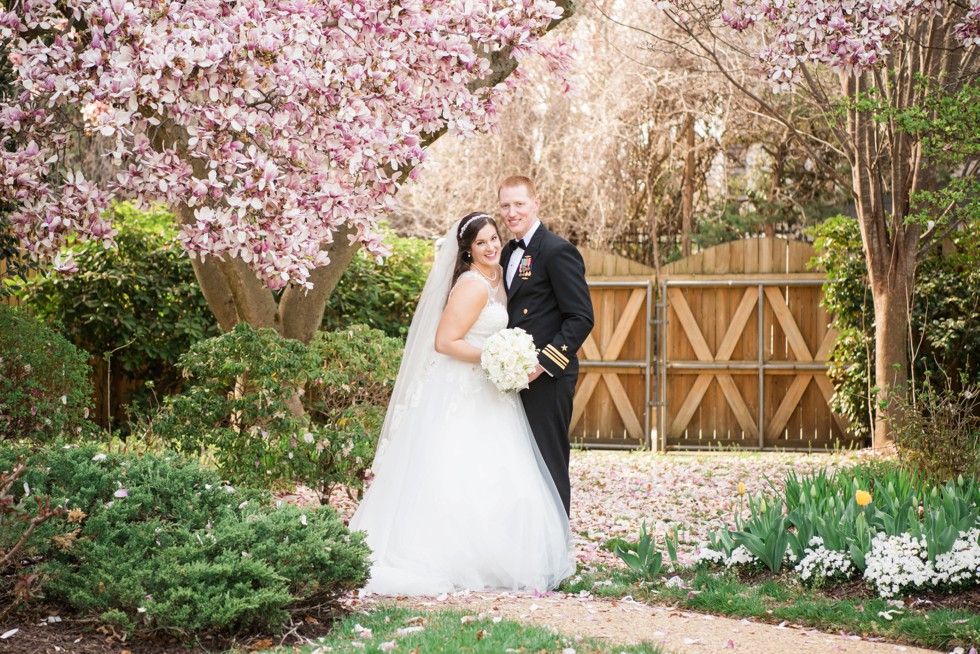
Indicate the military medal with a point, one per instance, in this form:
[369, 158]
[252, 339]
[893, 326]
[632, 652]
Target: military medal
[524, 271]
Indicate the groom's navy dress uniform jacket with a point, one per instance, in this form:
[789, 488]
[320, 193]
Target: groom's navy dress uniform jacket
[549, 299]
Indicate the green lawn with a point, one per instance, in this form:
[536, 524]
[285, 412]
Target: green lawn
[776, 599]
[394, 629]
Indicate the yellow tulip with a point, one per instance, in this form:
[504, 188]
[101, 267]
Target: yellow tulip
[741, 488]
[863, 498]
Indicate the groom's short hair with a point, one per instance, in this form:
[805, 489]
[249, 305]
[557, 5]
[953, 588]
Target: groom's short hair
[519, 180]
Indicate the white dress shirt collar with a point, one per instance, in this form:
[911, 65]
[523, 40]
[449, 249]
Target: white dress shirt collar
[530, 232]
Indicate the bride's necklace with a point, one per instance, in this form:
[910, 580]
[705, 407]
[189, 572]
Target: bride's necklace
[485, 276]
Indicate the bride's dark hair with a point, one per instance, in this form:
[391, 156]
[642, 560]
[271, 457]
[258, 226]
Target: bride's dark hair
[469, 227]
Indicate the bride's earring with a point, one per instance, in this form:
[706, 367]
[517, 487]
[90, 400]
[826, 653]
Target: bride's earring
[467, 256]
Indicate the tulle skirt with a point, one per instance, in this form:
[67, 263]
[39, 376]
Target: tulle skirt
[461, 499]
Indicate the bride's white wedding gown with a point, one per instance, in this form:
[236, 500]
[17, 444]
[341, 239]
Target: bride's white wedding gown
[461, 499]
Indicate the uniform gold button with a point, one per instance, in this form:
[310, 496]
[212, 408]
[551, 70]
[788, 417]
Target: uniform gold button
[525, 312]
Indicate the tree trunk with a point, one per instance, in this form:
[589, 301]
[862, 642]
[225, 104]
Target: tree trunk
[892, 302]
[885, 161]
[687, 197]
[890, 272]
[235, 294]
[232, 290]
[300, 310]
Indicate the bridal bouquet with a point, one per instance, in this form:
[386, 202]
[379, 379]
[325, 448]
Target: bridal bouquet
[508, 358]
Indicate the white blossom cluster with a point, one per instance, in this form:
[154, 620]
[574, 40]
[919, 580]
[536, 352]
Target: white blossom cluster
[704, 554]
[900, 563]
[740, 556]
[961, 565]
[820, 564]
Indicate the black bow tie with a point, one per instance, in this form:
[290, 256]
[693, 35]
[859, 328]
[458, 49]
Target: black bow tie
[519, 243]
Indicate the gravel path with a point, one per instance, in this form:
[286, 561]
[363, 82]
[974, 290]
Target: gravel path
[626, 622]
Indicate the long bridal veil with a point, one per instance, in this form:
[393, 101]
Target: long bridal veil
[419, 350]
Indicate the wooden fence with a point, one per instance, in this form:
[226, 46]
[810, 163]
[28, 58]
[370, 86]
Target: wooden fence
[728, 348]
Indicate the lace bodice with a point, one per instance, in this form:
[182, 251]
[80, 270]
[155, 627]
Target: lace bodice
[493, 316]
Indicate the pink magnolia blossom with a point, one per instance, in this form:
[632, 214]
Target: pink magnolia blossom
[277, 122]
[850, 36]
[968, 31]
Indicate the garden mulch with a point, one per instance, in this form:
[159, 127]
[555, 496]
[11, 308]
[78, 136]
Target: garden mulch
[37, 635]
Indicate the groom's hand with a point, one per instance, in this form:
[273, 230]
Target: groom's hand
[537, 373]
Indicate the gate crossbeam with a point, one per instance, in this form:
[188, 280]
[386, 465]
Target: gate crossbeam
[703, 353]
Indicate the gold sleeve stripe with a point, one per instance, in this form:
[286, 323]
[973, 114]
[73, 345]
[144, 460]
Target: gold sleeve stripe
[558, 363]
[553, 350]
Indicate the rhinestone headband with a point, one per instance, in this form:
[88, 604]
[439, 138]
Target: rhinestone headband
[462, 228]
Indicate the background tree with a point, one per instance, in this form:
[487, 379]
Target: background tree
[136, 308]
[277, 132]
[613, 156]
[878, 75]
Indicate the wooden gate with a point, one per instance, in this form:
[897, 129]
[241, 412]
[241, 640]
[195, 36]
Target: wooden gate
[612, 399]
[734, 354]
[743, 351]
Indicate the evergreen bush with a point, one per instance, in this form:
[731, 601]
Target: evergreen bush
[349, 399]
[158, 542]
[382, 296]
[21, 514]
[45, 388]
[240, 407]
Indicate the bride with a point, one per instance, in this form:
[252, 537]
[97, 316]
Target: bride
[461, 499]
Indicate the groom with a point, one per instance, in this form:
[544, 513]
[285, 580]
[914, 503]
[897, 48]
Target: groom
[547, 297]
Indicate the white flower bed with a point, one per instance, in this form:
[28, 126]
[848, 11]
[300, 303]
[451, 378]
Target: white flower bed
[895, 564]
[961, 565]
[898, 564]
[704, 554]
[821, 565]
[741, 556]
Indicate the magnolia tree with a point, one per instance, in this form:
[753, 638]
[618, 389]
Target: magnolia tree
[277, 131]
[891, 79]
